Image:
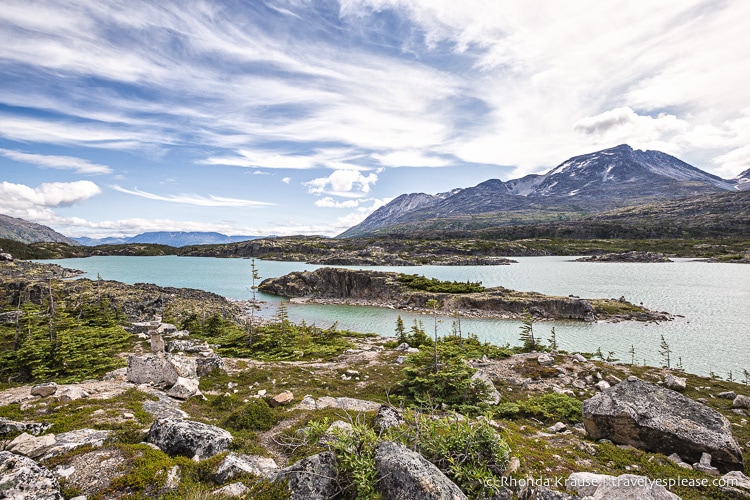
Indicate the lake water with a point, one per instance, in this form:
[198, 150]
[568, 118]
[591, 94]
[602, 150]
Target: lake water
[713, 335]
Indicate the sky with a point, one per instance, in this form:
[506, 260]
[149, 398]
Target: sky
[283, 117]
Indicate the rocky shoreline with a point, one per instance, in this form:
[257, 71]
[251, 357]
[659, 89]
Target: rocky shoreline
[648, 257]
[384, 289]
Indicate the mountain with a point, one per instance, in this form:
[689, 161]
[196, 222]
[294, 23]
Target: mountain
[590, 183]
[743, 181]
[173, 238]
[15, 229]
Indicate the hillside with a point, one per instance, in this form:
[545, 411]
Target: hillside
[12, 228]
[170, 238]
[583, 185]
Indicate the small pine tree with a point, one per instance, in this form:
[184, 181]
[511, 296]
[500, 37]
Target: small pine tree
[632, 354]
[528, 341]
[598, 353]
[665, 351]
[746, 379]
[400, 330]
[730, 377]
[679, 363]
[433, 304]
[553, 340]
[254, 278]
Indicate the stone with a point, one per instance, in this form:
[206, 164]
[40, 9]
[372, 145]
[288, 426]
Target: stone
[578, 358]
[545, 359]
[741, 402]
[602, 385]
[557, 427]
[656, 419]
[6, 257]
[281, 399]
[674, 457]
[736, 485]
[405, 474]
[236, 463]
[161, 370]
[192, 346]
[93, 471]
[22, 478]
[44, 390]
[30, 446]
[624, 487]
[72, 440]
[727, 395]
[233, 490]
[184, 388]
[334, 431]
[675, 383]
[205, 366]
[166, 329]
[493, 395]
[312, 478]
[343, 403]
[400, 360]
[157, 343]
[71, 394]
[531, 492]
[10, 426]
[308, 403]
[119, 374]
[188, 438]
[388, 417]
[402, 347]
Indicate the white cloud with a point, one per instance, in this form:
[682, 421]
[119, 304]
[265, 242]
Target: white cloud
[286, 180]
[194, 199]
[409, 158]
[47, 195]
[345, 183]
[79, 165]
[329, 202]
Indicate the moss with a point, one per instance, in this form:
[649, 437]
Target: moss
[255, 415]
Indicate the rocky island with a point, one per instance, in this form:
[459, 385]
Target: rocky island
[410, 292]
[633, 256]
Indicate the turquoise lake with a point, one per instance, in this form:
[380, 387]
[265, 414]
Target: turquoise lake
[713, 333]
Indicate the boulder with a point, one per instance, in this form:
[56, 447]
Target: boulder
[6, 257]
[191, 345]
[585, 483]
[545, 359]
[736, 485]
[405, 474]
[10, 426]
[631, 487]
[579, 358]
[312, 478]
[72, 440]
[184, 388]
[160, 369]
[281, 399]
[727, 395]
[188, 438]
[652, 418]
[350, 404]
[235, 463]
[557, 427]
[741, 402]
[30, 446]
[21, 477]
[493, 395]
[675, 383]
[157, 343]
[234, 490]
[93, 471]
[44, 390]
[602, 385]
[207, 365]
[388, 417]
[71, 394]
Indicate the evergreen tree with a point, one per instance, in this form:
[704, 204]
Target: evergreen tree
[433, 304]
[665, 351]
[553, 340]
[632, 354]
[528, 341]
[254, 277]
[401, 330]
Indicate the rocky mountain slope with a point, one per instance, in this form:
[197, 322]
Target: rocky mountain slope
[171, 238]
[615, 177]
[16, 229]
[743, 181]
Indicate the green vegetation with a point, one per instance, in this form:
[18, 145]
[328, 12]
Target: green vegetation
[434, 285]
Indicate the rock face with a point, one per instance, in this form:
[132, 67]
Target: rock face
[188, 438]
[405, 474]
[205, 365]
[312, 478]
[633, 256]
[652, 418]
[21, 478]
[161, 369]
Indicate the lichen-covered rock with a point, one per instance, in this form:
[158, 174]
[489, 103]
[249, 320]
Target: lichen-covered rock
[30, 446]
[312, 478]
[22, 478]
[405, 474]
[545, 359]
[10, 426]
[283, 398]
[675, 383]
[184, 388]
[188, 345]
[741, 402]
[44, 390]
[624, 487]
[93, 471]
[71, 394]
[652, 418]
[235, 463]
[207, 365]
[188, 438]
[493, 395]
[234, 490]
[160, 369]
[388, 417]
[349, 404]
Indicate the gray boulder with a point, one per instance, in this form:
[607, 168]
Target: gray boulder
[234, 490]
[736, 485]
[405, 474]
[188, 345]
[21, 477]
[205, 365]
[388, 417]
[188, 438]
[160, 369]
[235, 463]
[530, 492]
[741, 402]
[72, 440]
[10, 426]
[675, 383]
[312, 478]
[652, 418]
[44, 390]
[493, 396]
[184, 388]
[632, 487]
[545, 359]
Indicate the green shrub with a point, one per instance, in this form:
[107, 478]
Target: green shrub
[256, 415]
[552, 407]
[434, 285]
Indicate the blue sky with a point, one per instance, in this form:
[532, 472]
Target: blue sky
[302, 117]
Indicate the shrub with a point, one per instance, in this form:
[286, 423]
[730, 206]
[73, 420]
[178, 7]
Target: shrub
[552, 406]
[434, 285]
[256, 415]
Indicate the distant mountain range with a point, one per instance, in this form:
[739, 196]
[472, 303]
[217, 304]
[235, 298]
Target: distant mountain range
[583, 185]
[173, 239]
[12, 228]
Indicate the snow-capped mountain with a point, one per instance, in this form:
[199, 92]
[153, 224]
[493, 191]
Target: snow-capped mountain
[615, 177]
[742, 182]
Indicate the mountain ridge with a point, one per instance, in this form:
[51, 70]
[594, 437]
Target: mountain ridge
[13, 228]
[582, 185]
[171, 238]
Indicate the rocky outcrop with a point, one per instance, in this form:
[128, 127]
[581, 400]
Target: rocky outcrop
[624, 487]
[21, 477]
[493, 395]
[235, 463]
[633, 256]
[93, 471]
[405, 474]
[188, 438]
[184, 388]
[384, 289]
[161, 370]
[10, 426]
[652, 418]
[312, 478]
[388, 417]
[50, 445]
[206, 365]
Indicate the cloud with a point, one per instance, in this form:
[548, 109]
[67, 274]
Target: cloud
[57, 162]
[329, 202]
[286, 180]
[409, 158]
[47, 195]
[194, 199]
[345, 183]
